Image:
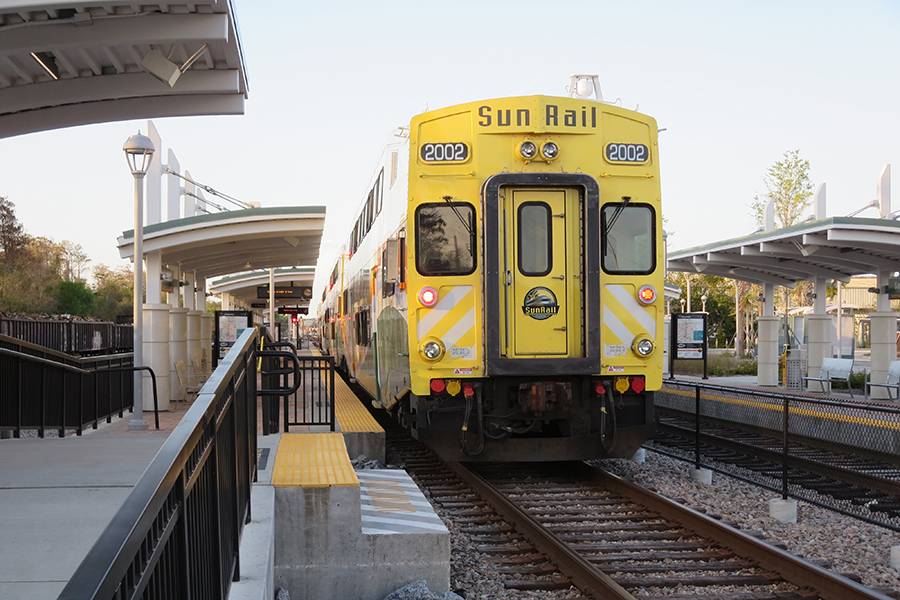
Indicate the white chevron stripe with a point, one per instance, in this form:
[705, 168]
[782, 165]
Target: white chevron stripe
[617, 327]
[462, 327]
[444, 306]
[633, 307]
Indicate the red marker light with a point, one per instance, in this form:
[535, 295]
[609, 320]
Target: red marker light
[438, 386]
[428, 296]
[647, 294]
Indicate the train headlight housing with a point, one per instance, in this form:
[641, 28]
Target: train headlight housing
[549, 150]
[646, 294]
[643, 346]
[432, 350]
[428, 296]
[528, 150]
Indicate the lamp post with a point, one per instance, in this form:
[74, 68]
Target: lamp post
[703, 300]
[682, 305]
[138, 151]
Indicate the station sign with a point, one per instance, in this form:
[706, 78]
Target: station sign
[292, 310]
[892, 288]
[302, 292]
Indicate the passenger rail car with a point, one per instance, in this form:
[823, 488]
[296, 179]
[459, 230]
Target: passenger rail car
[500, 292]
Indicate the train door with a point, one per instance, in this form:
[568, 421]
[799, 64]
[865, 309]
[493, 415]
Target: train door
[540, 263]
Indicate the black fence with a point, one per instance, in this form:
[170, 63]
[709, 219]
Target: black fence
[807, 439]
[43, 389]
[72, 337]
[177, 534]
[296, 390]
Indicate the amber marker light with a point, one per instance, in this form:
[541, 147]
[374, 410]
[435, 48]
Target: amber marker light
[428, 296]
[647, 294]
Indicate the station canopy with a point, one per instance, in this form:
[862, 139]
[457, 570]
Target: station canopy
[248, 286]
[80, 62]
[223, 243]
[834, 248]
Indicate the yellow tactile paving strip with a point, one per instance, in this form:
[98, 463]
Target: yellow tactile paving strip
[312, 460]
[351, 414]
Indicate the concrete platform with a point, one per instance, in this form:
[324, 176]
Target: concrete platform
[362, 433]
[326, 548]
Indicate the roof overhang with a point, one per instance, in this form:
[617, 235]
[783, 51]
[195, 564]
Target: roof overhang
[244, 285]
[79, 62]
[835, 248]
[223, 243]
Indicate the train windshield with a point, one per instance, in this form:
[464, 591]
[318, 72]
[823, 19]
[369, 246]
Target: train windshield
[629, 245]
[444, 239]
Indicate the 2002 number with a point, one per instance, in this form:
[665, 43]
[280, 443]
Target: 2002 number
[627, 153]
[445, 152]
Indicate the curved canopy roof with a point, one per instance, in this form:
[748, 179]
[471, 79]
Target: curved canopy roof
[77, 62]
[234, 241]
[244, 285]
[834, 248]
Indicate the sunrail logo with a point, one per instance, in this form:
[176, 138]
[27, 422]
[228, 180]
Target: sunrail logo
[540, 303]
[551, 115]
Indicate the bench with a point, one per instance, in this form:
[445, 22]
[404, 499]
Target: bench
[892, 382]
[834, 369]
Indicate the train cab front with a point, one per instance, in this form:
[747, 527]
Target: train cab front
[533, 226]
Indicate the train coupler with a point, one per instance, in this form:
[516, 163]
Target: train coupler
[542, 396]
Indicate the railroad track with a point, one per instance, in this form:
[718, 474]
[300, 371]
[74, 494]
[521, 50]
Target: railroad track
[866, 480]
[551, 526]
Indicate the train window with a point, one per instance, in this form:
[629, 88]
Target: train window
[445, 238]
[535, 243]
[395, 164]
[630, 243]
[379, 192]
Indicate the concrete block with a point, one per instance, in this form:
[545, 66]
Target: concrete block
[895, 557]
[703, 476]
[783, 511]
[370, 443]
[640, 456]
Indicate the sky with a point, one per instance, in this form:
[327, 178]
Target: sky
[734, 84]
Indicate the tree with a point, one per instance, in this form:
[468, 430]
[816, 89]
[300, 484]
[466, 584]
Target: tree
[74, 260]
[113, 291]
[74, 298]
[788, 186]
[13, 238]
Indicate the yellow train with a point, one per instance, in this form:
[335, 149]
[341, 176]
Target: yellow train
[501, 289]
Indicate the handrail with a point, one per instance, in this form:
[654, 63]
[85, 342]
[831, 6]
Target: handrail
[70, 368]
[186, 512]
[281, 354]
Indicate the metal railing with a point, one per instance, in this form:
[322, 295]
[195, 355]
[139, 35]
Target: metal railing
[42, 389]
[791, 426]
[177, 534]
[306, 389]
[70, 336]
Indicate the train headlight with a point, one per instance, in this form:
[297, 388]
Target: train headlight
[433, 350]
[644, 346]
[646, 294]
[549, 150]
[428, 296]
[527, 150]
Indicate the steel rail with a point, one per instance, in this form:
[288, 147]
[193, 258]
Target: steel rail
[585, 575]
[828, 585]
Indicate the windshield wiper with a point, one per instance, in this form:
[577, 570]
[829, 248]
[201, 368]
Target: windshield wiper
[615, 217]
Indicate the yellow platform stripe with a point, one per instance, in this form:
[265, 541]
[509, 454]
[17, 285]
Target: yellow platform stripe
[312, 460]
[794, 410]
[351, 414]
